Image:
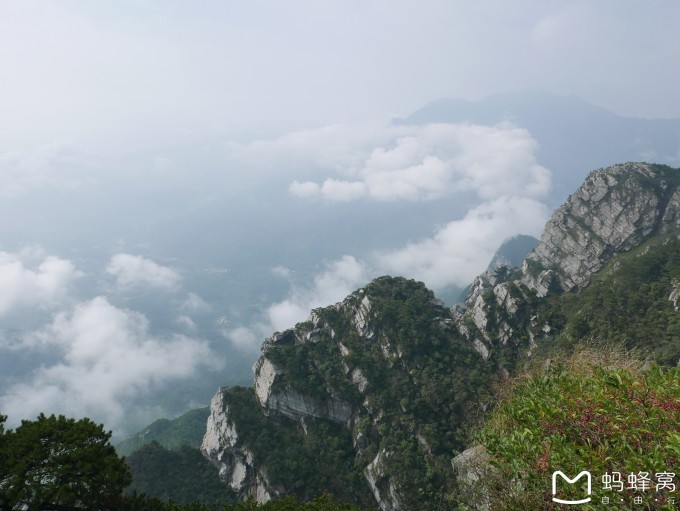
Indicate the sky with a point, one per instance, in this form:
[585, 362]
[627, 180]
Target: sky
[111, 71]
[180, 179]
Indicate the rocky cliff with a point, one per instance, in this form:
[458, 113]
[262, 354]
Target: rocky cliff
[615, 210]
[371, 397]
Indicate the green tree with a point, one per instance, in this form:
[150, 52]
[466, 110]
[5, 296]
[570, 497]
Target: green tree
[59, 463]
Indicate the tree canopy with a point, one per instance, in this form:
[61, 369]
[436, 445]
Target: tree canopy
[59, 463]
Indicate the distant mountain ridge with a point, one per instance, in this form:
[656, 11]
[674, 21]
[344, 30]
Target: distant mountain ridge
[185, 430]
[513, 251]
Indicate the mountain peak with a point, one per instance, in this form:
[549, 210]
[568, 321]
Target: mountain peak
[614, 210]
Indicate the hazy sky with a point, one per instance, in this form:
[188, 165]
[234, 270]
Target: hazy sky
[110, 71]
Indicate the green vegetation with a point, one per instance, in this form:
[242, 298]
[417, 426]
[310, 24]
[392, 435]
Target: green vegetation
[182, 475]
[55, 463]
[304, 464]
[422, 381]
[606, 417]
[59, 463]
[187, 429]
[627, 303]
[289, 503]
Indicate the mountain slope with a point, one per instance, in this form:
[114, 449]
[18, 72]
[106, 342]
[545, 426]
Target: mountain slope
[383, 377]
[615, 210]
[370, 398]
[185, 430]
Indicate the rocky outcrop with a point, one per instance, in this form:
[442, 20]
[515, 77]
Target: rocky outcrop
[675, 295]
[615, 210]
[278, 397]
[266, 374]
[222, 446]
[297, 406]
[381, 484]
[471, 467]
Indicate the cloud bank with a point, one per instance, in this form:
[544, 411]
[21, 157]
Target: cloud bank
[131, 271]
[439, 160]
[108, 357]
[492, 168]
[461, 249]
[31, 278]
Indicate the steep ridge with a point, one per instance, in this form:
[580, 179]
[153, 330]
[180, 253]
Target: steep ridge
[370, 398]
[615, 210]
[371, 393]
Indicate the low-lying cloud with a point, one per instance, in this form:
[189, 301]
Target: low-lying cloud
[108, 359]
[462, 249]
[439, 160]
[32, 278]
[131, 271]
[52, 166]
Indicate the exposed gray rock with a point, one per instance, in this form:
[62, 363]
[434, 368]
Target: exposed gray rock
[615, 209]
[361, 318]
[290, 402]
[297, 406]
[234, 462]
[381, 484]
[481, 348]
[470, 467]
[359, 379]
[675, 295]
[266, 373]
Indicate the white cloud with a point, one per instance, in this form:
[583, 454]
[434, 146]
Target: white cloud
[108, 358]
[42, 285]
[339, 279]
[186, 322]
[305, 190]
[336, 190]
[133, 271]
[492, 167]
[337, 147]
[243, 338]
[435, 161]
[461, 249]
[195, 303]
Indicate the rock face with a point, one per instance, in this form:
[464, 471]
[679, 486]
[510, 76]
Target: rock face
[277, 397]
[615, 210]
[675, 295]
[382, 486]
[235, 462]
